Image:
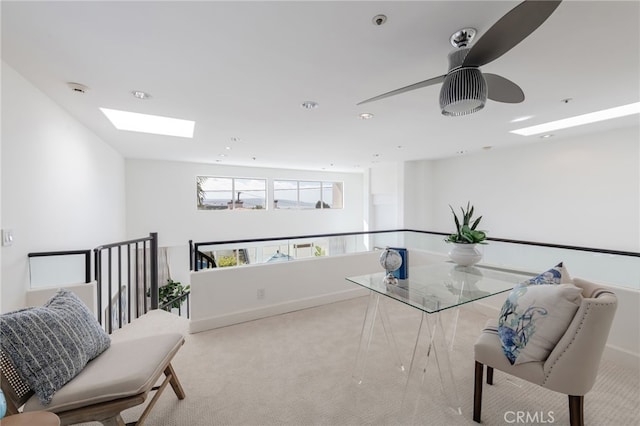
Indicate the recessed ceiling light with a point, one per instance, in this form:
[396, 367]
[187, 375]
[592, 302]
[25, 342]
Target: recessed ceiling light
[523, 118]
[145, 123]
[139, 94]
[366, 115]
[547, 136]
[77, 87]
[579, 120]
[228, 148]
[309, 105]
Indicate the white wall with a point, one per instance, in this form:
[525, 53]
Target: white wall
[419, 191]
[387, 196]
[583, 191]
[62, 186]
[224, 296]
[161, 197]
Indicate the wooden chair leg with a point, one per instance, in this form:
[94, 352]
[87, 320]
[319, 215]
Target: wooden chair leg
[489, 375]
[113, 421]
[477, 391]
[175, 383]
[576, 410]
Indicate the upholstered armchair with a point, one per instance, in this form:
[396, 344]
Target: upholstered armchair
[571, 367]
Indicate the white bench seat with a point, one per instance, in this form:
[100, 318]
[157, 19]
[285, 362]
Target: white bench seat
[126, 369]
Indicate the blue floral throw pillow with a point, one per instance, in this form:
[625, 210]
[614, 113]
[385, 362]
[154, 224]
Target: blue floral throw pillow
[536, 314]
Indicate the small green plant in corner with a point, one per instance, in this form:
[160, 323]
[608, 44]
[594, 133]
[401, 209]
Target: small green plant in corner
[169, 292]
[466, 232]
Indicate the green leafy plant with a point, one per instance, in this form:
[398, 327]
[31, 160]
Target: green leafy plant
[466, 231]
[169, 292]
[224, 261]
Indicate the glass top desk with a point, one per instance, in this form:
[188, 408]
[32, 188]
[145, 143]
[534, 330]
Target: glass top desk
[431, 289]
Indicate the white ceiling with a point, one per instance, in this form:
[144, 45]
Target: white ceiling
[242, 69]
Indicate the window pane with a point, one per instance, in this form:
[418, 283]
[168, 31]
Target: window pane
[285, 194]
[250, 194]
[310, 195]
[214, 193]
[327, 195]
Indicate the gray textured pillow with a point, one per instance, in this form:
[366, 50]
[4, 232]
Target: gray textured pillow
[51, 344]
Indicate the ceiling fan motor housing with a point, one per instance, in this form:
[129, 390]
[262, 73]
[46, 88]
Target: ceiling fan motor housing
[464, 89]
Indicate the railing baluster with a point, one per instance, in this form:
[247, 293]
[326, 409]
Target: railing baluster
[153, 287]
[109, 292]
[129, 296]
[98, 275]
[144, 276]
[119, 292]
[137, 272]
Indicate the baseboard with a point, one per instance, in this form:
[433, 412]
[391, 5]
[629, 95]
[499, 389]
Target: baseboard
[211, 323]
[622, 357]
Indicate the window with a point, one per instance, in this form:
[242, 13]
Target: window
[224, 193]
[294, 194]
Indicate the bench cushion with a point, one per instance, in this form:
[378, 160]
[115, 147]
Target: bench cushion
[126, 369]
[153, 322]
[51, 344]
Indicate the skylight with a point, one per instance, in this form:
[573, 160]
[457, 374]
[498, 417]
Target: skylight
[579, 120]
[145, 123]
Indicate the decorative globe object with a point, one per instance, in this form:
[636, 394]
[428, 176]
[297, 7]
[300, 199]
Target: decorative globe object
[390, 261]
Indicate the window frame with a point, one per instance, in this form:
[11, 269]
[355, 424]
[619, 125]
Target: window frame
[323, 185]
[232, 204]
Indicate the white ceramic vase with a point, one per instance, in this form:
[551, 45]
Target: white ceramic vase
[465, 254]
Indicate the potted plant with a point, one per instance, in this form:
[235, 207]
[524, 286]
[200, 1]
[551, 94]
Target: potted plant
[168, 294]
[466, 237]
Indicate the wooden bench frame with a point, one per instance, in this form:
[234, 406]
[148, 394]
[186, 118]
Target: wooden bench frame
[108, 412]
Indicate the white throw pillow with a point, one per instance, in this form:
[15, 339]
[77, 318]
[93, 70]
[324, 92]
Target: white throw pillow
[536, 314]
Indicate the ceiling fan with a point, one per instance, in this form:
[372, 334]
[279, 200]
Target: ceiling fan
[465, 88]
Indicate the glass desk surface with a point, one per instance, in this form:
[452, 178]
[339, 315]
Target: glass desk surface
[433, 288]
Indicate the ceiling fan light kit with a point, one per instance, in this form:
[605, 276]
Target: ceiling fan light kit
[464, 91]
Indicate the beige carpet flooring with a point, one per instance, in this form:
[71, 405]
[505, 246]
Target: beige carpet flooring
[296, 369]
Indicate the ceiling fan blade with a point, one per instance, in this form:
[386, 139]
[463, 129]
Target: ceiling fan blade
[510, 30]
[500, 89]
[415, 86]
